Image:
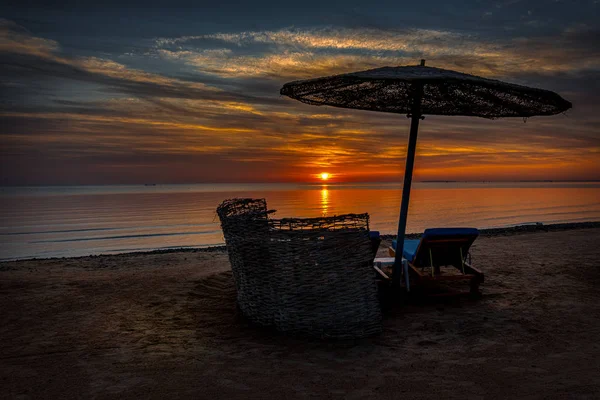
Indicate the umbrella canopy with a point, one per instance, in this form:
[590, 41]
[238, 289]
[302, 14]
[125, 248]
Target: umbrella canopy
[444, 92]
[420, 90]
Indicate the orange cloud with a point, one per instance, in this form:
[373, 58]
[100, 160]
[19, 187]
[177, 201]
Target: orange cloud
[313, 52]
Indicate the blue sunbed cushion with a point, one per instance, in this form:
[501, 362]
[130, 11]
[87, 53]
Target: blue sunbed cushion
[410, 248]
[373, 234]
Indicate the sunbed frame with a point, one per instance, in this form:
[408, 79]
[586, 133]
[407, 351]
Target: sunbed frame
[471, 274]
[425, 271]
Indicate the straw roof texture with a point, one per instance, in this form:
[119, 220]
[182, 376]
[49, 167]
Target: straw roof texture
[444, 92]
[308, 276]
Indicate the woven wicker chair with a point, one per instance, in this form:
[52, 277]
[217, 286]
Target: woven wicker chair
[310, 276]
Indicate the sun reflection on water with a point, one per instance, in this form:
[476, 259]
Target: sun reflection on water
[324, 200]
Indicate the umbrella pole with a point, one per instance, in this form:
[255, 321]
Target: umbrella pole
[410, 160]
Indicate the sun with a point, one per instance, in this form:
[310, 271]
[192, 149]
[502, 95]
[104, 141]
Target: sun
[324, 176]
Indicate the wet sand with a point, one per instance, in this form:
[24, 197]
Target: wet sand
[165, 326]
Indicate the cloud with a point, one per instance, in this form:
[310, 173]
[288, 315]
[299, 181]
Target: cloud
[301, 53]
[16, 39]
[26, 56]
[356, 39]
[309, 52]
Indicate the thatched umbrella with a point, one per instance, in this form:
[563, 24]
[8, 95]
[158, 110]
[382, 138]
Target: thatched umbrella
[420, 90]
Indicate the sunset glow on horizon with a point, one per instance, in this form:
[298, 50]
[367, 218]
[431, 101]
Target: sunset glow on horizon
[85, 101]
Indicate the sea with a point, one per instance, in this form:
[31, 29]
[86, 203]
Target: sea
[71, 221]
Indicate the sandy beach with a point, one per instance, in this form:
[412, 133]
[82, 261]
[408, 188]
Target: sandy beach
[164, 325]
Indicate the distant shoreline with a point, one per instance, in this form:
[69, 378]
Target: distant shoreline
[488, 232]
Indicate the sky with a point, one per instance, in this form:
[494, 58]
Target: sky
[123, 92]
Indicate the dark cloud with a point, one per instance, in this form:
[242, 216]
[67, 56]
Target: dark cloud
[21, 67]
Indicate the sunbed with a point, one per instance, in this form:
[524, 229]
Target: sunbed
[442, 254]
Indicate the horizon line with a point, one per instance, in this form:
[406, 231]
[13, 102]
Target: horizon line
[307, 183]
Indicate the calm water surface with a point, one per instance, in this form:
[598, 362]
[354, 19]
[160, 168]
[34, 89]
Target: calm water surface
[84, 220]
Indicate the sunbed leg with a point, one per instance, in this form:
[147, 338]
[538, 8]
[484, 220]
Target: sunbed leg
[406, 277]
[474, 285]
[431, 262]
